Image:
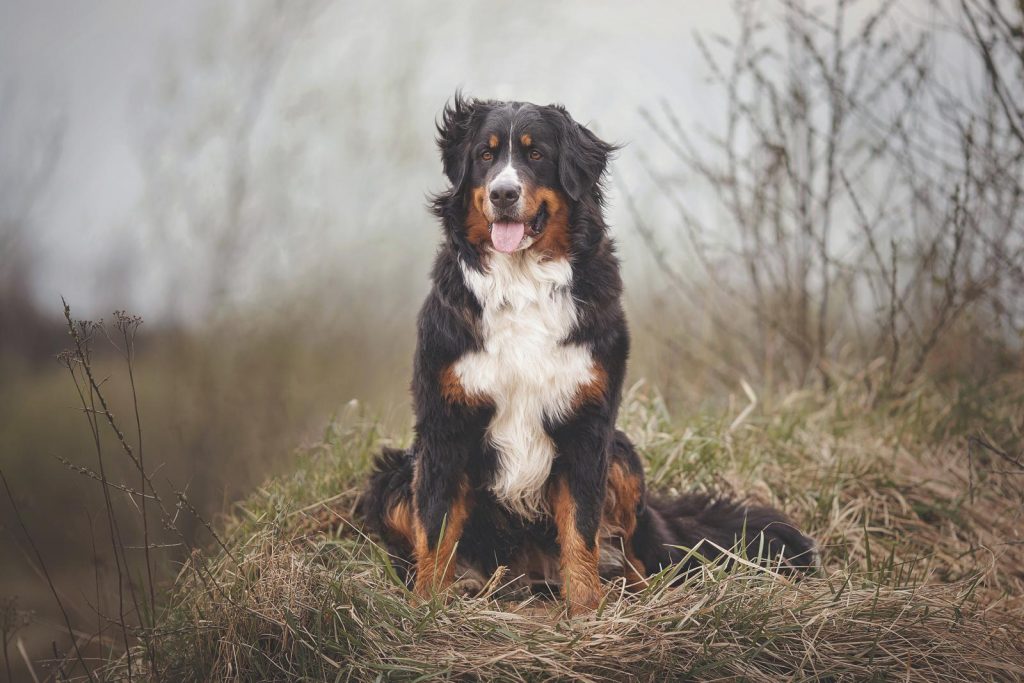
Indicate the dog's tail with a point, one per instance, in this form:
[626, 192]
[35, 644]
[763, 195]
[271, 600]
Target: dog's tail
[668, 529]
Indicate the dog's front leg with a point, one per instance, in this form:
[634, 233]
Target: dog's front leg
[442, 499]
[577, 498]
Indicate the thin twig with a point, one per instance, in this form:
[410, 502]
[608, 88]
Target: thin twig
[46, 573]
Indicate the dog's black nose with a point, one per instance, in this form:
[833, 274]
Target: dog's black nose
[504, 194]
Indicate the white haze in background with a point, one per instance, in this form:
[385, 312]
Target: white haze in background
[340, 158]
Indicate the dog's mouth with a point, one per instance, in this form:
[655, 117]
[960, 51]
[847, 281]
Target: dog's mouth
[509, 235]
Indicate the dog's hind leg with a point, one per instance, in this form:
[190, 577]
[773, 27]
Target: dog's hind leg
[624, 500]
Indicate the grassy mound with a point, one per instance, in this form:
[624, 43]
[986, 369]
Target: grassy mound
[920, 527]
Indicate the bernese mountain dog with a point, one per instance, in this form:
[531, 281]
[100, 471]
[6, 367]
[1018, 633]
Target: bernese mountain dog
[520, 358]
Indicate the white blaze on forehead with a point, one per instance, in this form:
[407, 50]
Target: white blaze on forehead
[508, 173]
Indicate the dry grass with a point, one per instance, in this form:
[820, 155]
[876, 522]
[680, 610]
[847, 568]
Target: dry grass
[922, 550]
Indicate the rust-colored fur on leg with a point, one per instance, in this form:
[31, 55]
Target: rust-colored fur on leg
[435, 563]
[622, 500]
[581, 584]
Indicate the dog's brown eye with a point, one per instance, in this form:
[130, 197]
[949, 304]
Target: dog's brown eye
[487, 155]
[535, 155]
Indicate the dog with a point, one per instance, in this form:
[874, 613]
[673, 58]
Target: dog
[520, 358]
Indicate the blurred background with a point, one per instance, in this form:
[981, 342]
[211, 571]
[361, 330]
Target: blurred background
[808, 192]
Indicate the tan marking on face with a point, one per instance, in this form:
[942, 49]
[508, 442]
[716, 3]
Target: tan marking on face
[555, 238]
[492, 141]
[478, 223]
[526, 140]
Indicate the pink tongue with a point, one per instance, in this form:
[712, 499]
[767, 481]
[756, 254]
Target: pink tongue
[507, 236]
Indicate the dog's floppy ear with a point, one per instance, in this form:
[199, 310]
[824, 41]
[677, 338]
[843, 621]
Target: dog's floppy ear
[583, 157]
[453, 134]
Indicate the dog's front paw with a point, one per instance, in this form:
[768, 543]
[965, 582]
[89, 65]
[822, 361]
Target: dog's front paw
[468, 587]
[582, 601]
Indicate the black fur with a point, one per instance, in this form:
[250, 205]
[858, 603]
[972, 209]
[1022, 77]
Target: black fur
[667, 528]
[672, 527]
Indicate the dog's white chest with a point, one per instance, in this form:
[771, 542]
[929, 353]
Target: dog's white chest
[524, 368]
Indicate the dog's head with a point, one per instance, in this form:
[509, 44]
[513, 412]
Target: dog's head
[517, 169]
